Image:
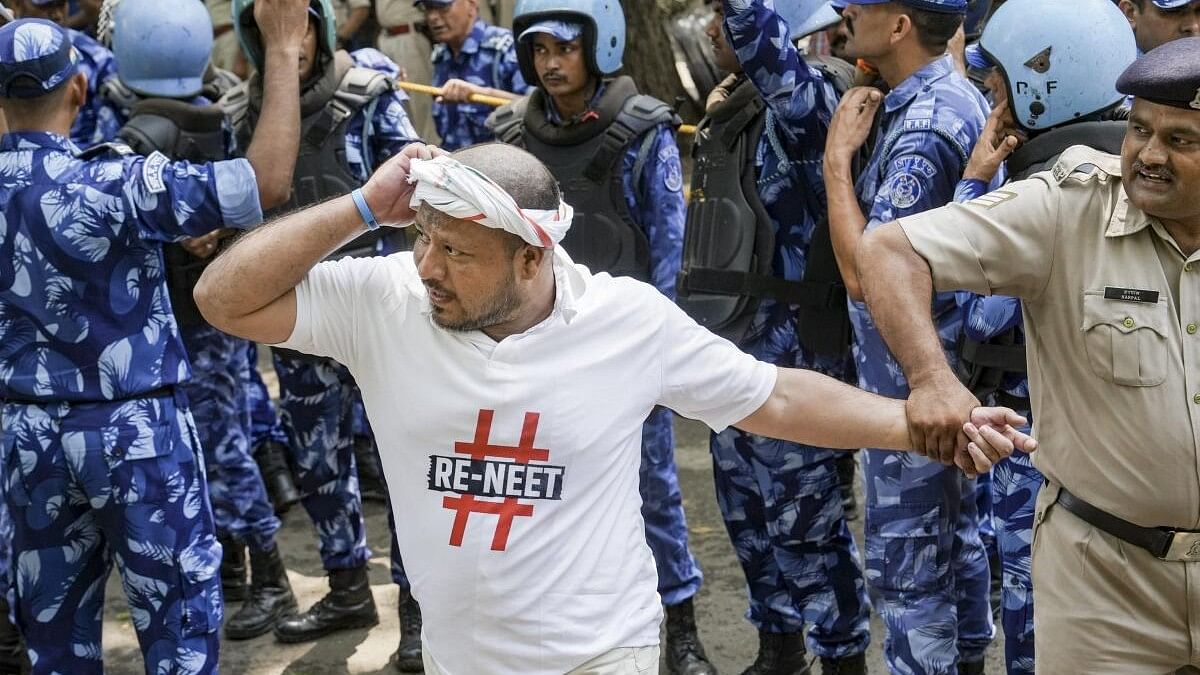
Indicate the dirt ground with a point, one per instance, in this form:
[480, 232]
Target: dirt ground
[730, 640]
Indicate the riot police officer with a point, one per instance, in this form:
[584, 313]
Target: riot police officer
[352, 119]
[613, 151]
[937, 614]
[162, 58]
[1156, 22]
[992, 361]
[471, 57]
[102, 457]
[758, 266]
[99, 119]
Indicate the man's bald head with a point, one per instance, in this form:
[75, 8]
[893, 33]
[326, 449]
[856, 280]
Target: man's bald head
[521, 174]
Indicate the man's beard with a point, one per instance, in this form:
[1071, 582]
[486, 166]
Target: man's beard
[500, 307]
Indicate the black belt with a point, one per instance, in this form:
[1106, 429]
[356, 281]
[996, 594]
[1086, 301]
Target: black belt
[1018, 403]
[1162, 542]
[165, 390]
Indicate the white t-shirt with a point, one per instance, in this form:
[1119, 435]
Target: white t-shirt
[513, 466]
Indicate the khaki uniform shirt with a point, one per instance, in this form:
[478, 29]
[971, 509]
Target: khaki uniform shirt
[221, 12]
[1111, 308]
[396, 12]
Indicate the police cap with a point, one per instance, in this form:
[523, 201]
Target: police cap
[1172, 4]
[1169, 74]
[36, 57]
[946, 6]
[436, 4]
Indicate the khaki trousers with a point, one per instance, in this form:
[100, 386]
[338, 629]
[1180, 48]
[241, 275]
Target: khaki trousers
[1106, 607]
[225, 50]
[411, 52]
[621, 661]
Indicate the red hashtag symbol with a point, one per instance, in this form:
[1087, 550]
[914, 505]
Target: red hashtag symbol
[480, 449]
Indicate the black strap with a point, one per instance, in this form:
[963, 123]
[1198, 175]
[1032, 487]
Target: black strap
[1009, 358]
[617, 137]
[1156, 540]
[159, 392]
[733, 282]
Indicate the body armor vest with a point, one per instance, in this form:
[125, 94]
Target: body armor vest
[729, 242]
[983, 366]
[322, 170]
[586, 158]
[181, 132]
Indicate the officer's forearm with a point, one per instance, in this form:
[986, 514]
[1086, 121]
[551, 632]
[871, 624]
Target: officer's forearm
[899, 291]
[248, 290]
[276, 142]
[813, 409]
[846, 225]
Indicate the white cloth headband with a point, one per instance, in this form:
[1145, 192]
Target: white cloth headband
[462, 192]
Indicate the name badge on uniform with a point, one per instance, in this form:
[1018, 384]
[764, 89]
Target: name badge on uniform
[152, 172]
[1131, 295]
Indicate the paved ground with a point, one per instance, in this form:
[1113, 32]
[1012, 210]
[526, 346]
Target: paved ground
[730, 640]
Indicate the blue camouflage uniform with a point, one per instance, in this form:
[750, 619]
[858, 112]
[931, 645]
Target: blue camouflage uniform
[317, 396]
[1015, 481]
[98, 120]
[654, 195]
[488, 58]
[101, 459]
[264, 422]
[780, 500]
[926, 565]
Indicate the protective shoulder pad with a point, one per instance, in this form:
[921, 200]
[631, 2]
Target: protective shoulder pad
[110, 149]
[115, 91]
[508, 121]
[1081, 164]
[840, 73]
[643, 112]
[365, 83]
[500, 41]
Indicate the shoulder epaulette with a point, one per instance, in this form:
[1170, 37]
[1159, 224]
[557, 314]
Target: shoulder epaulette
[111, 148]
[1081, 164]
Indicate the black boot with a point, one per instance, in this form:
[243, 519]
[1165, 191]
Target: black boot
[270, 600]
[14, 660]
[348, 604]
[845, 469]
[233, 569]
[780, 654]
[277, 476]
[973, 668]
[370, 474]
[851, 665]
[685, 654]
[408, 654]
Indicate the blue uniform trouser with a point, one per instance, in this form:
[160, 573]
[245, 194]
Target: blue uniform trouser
[264, 423]
[89, 485]
[984, 508]
[1015, 485]
[783, 510]
[926, 566]
[317, 405]
[217, 397]
[679, 576]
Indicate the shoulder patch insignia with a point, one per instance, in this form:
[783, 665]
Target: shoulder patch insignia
[152, 172]
[673, 178]
[500, 42]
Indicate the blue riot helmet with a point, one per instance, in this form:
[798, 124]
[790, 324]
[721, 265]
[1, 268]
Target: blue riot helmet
[1063, 64]
[603, 31]
[251, 42]
[162, 48]
[804, 17]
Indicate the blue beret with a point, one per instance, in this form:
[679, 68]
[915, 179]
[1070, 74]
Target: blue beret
[1169, 74]
[948, 6]
[564, 31]
[36, 57]
[1172, 4]
[432, 3]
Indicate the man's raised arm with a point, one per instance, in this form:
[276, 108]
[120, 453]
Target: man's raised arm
[249, 291]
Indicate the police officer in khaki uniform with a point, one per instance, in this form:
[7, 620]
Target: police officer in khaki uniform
[225, 49]
[1104, 251]
[400, 40]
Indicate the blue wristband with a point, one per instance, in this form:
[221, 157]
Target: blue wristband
[364, 211]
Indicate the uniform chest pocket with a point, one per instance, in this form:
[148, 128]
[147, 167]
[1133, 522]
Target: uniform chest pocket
[1126, 342]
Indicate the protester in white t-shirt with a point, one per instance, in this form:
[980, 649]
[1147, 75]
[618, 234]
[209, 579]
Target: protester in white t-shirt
[507, 388]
